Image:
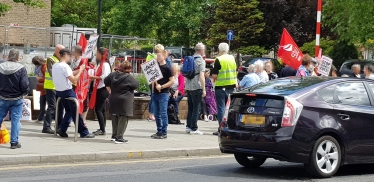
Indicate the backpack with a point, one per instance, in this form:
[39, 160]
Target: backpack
[172, 115]
[188, 68]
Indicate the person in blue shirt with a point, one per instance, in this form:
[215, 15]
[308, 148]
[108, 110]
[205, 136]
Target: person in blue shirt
[251, 79]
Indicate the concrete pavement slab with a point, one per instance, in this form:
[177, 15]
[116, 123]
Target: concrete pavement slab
[45, 148]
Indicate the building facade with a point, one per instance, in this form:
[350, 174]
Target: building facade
[22, 16]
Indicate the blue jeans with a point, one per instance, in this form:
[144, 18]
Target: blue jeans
[151, 109]
[160, 103]
[15, 108]
[70, 112]
[194, 98]
[221, 99]
[175, 102]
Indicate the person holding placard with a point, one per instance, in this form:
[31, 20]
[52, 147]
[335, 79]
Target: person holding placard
[100, 93]
[160, 96]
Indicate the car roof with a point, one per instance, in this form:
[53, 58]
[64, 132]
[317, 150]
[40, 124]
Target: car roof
[358, 60]
[291, 85]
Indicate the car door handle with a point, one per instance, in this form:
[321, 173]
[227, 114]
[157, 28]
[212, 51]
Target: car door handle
[344, 116]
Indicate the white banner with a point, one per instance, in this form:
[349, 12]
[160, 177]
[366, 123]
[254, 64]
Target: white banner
[152, 71]
[90, 46]
[325, 66]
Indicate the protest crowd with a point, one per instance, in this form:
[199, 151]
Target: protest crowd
[69, 75]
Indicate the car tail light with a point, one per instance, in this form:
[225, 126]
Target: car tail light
[251, 95]
[291, 113]
[226, 114]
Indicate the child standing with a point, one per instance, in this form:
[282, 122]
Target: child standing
[209, 106]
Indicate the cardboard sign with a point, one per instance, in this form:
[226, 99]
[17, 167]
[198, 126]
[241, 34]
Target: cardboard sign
[111, 60]
[325, 66]
[152, 71]
[26, 110]
[90, 46]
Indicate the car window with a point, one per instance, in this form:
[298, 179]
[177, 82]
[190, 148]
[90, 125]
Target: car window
[327, 93]
[371, 85]
[352, 93]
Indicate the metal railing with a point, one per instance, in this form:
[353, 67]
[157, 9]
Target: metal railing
[76, 116]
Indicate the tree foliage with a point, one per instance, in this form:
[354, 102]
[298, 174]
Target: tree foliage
[30, 3]
[352, 20]
[241, 16]
[325, 44]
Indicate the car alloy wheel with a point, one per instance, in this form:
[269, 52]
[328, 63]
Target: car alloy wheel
[325, 158]
[249, 161]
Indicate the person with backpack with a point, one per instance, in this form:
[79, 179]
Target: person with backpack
[194, 70]
[224, 72]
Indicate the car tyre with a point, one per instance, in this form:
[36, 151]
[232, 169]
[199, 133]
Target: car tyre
[325, 158]
[249, 161]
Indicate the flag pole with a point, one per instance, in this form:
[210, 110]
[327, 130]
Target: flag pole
[318, 27]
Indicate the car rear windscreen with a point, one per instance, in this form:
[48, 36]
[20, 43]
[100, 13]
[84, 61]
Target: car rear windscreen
[285, 86]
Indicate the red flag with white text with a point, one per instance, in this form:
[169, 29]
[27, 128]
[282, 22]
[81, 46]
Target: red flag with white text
[288, 51]
[82, 87]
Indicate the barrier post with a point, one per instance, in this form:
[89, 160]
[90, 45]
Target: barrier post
[76, 116]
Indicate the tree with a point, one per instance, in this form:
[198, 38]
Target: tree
[353, 24]
[30, 3]
[325, 44]
[241, 16]
[343, 51]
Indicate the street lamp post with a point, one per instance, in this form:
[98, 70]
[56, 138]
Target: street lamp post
[99, 22]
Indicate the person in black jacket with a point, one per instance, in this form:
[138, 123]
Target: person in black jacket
[287, 71]
[14, 84]
[121, 85]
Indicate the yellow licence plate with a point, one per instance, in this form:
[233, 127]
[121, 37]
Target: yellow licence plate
[253, 119]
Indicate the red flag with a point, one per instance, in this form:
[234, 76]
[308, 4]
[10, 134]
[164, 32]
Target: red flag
[288, 51]
[83, 42]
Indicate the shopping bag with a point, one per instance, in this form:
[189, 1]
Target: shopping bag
[4, 135]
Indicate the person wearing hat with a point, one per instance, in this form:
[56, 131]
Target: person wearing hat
[313, 67]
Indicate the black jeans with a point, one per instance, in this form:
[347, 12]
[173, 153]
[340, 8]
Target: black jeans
[194, 99]
[51, 111]
[42, 102]
[70, 112]
[100, 107]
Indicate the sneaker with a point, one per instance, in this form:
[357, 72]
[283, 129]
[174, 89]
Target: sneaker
[165, 136]
[113, 139]
[99, 132]
[197, 132]
[157, 136]
[48, 130]
[206, 120]
[15, 145]
[120, 141]
[188, 130]
[90, 135]
[215, 133]
[62, 134]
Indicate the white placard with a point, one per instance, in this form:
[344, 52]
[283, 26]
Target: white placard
[36, 99]
[152, 71]
[26, 110]
[325, 66]
[111, 60]
[90, 46]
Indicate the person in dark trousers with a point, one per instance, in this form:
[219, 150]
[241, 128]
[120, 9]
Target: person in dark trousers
[40, 68]
[100, 93]
[14, 84]
[161, 96]
[51, 92]
[287, 71]
[63, 78]
[196, 91]
[121, 85]
[225, 73]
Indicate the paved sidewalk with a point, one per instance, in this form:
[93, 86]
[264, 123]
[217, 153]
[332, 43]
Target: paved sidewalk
[45, 148]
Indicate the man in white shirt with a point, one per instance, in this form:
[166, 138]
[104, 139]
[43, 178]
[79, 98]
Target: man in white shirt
[63, 78]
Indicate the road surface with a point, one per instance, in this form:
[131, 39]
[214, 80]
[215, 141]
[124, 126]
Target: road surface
[199, 169]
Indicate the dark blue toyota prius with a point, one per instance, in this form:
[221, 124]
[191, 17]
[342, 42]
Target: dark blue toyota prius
[322, 122]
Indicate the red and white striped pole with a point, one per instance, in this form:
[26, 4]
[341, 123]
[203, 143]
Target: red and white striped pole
[318, 26]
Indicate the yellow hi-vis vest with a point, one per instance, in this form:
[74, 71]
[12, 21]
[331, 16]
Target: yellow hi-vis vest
[48, 83]
[227, 73]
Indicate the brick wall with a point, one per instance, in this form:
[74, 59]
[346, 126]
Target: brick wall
[141, 109]
[25, 16]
